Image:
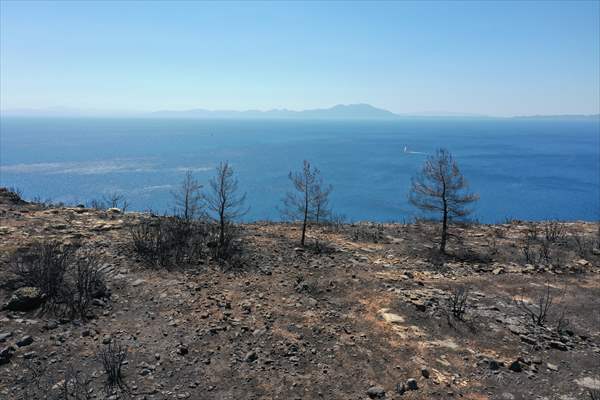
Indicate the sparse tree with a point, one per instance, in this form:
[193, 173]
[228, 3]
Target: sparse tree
[188, 199]
[309, 200]
[223, 200]
[116, 200]
[440, 188]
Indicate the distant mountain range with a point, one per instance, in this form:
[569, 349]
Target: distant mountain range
[340, 111]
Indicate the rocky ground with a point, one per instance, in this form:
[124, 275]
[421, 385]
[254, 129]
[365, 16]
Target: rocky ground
[369, 317]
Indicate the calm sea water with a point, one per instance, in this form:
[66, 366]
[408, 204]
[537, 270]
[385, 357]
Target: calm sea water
[526, 169]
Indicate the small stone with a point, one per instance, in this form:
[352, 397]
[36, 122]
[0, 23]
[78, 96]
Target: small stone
[400, 388]
[29, 355]
[558, 345]
[376, 392]
[425, 373]
[516, 366]
[106, 339]
[25, 341]
[6, 354]
[251, 356]
[528, 339]
[52, 324]
[411, 384]
[182, 350]
[552, 367]
[4, 336]
[494, 365]
[137, 282]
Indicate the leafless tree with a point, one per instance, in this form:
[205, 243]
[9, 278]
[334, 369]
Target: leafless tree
[309, 200]
[441, 188]
[188, 199]
[223, 200]
[116, 200]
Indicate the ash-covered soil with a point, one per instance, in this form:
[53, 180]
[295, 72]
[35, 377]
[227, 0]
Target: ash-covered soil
[368, 317]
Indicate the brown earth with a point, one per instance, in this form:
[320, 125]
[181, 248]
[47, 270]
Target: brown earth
[371, 311]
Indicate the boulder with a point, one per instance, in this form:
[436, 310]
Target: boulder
[25, 299]
[376, 392]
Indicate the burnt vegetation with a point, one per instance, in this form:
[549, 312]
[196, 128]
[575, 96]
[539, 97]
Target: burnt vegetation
[67, 277]
[172, 331]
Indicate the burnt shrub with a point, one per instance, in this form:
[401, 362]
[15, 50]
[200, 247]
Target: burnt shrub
[43, 265]
[367, 232]
[84, 282]
[228, 252]
[458, 302]
[170, 241]
[112, 356]
[68, 276]
[538, 310]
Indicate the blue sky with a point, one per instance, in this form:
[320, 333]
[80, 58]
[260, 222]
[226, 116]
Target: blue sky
[494, 58]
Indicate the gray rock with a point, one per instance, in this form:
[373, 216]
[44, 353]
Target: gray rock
[6, 354]
[25, 299]
[558, 345]
[516, 366]
[376, 392]
[493, 364]
[51, 325]
[251, 356]
[528, 339]
[4, 336]
[552, 367]
[411, 384]
[400, 388]
[25, 341]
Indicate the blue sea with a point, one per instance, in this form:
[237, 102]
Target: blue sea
[530, 169]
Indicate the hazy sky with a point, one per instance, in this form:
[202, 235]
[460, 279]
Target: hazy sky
[505, 58]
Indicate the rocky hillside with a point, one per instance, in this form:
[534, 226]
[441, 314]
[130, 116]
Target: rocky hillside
[374, 313]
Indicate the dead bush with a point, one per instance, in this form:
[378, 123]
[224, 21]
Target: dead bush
[228, 249]
[68, 276]
[170, 241]
[363, 232]
[554, 231]
[321, 247]
[76, 386]
[39, 385]
[112, 357]
[544, 248]
[538, 310]
[84, 282]
[43, 265]
[582, 245]
[458, 302]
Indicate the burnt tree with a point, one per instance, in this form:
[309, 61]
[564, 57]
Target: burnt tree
[309, 200]
[440, 188]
